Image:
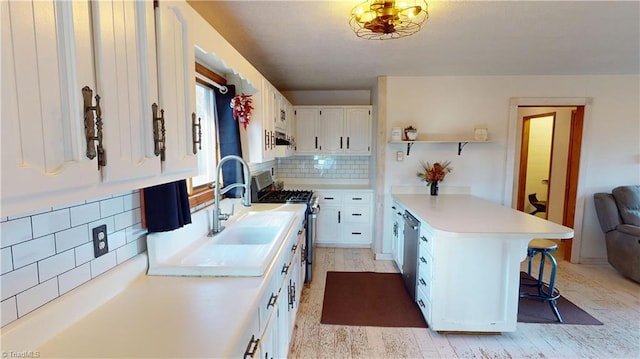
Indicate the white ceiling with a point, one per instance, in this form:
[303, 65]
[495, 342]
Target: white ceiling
[308, 45]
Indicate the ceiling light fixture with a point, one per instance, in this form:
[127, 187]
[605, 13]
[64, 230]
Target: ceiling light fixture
[383, 20]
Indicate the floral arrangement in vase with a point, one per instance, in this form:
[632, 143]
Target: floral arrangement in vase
[241, 105]
[434, 174]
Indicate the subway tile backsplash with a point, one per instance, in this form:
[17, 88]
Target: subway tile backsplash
[343, 167]
[48, 253]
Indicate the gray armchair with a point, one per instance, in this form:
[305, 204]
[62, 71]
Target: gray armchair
[619, 216]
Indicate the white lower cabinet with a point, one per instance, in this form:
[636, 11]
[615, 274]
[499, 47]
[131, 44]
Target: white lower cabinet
[397, 233]
[345, 218]
[278, 305]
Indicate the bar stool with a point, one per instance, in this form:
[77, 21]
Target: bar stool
[547, 293]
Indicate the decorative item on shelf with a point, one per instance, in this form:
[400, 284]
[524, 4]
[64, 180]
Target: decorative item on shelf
[410, 133]
[241, 105]
[384, 19]
[480, 134]
[434, 174]
[396, 134]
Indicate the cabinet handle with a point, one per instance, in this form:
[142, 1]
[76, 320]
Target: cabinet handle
[266, 140]
[252, 347]
[273, 139]
[393, 207]
[423, 260]
[285, 269]
[356, 198]
[316, 142]
[421, 303]
[89, 128]
[295, 246]
[423, 282]
[357, 233]
[292, 294]
[424, 239]
[197, 136]
[356, 214]
[159, 131]
[329, 198]
[272, 300]
[338, 216]
[340, 142]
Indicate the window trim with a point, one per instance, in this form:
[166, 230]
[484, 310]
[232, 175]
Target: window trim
[204, 193]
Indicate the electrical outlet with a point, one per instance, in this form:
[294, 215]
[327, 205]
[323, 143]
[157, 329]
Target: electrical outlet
[100, 245]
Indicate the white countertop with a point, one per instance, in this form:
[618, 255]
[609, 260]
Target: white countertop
[135, 315]
[462, 215]
[163, 317]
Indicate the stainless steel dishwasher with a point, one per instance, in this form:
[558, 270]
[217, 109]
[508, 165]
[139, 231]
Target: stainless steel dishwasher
[410, 262]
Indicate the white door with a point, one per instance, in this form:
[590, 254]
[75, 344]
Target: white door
[176, 86]
[358, 131]
[329, 225]
[307, 130]
[125, 50]
[332, 129]
[46, 60]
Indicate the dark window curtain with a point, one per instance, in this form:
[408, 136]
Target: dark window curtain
[229, 139]
[167, 206]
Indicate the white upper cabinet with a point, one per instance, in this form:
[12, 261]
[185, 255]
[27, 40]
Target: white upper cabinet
[357, 130]
[47, 58]
[176, 78]
[126, 80]
[307, 124]
[333, 130]
[269, 108]
[58, 57]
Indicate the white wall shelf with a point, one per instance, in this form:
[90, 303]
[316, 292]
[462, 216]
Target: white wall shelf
[461, 143]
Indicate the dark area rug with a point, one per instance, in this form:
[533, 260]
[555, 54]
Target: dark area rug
[381, 300]
[537, 311]
[369, 299]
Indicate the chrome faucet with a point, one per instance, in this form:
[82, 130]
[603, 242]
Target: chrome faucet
[218, 217]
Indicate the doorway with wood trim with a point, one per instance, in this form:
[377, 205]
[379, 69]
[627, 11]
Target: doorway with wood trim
[549, 156]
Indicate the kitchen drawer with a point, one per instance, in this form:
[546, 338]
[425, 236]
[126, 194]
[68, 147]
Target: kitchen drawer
[425, 261]
[424, 279]
[330, 197]
[356, 214]
[426, 241]
[356, 234]
[270, 295]
[358, 198]
[424, 304]
[248, 338]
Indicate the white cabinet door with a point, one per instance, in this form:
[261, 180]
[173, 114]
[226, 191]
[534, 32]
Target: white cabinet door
[328, 229]
[176, 79]
[307, 130]
[125, 51]
[358, 131]
[46, 60]
[331, 130]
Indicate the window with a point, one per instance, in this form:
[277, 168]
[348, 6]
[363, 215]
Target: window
[200, 186]
[208, 155]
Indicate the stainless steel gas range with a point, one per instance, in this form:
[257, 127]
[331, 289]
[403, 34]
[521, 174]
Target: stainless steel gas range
[263, 190]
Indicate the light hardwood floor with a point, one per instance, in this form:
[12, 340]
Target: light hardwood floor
[599, 290]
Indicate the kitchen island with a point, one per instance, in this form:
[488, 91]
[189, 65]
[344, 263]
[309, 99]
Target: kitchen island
[469, 260]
